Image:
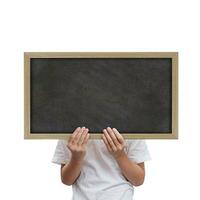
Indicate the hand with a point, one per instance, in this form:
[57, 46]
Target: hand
[114, 142]
[77, 143]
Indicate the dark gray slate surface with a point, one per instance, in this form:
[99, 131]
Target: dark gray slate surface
[130, 94]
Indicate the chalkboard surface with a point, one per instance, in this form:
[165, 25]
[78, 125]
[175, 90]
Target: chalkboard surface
[133, 95]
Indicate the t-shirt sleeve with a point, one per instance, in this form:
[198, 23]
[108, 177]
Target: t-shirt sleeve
[137, 151]
[62, 154]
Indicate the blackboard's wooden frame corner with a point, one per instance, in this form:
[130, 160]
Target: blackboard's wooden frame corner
[27, 135]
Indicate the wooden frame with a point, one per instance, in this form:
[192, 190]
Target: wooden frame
[172, 55]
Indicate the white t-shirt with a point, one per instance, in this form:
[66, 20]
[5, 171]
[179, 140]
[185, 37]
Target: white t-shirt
[101, 177]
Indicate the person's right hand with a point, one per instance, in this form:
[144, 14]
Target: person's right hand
[77, 143]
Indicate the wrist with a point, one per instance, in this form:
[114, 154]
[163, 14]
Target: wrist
[77, 159]
[120, 156]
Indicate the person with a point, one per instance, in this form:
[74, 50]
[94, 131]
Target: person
[101, 169]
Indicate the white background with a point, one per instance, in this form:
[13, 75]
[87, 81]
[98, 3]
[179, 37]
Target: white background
[26, 171]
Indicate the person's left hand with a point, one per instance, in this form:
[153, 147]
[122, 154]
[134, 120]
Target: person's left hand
[114, 141]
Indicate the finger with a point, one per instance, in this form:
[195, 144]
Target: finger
[113, 137]
[106, 143]
[109, 139]
[86, 139]
[74, 134]
[118, 135]
[83, 135]
[78, 135]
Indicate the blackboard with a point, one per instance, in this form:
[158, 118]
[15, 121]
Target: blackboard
[135, 94]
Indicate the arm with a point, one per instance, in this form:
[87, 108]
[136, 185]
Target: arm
[115, 144]
[70, 172]
[135, 173]
[77, 145]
